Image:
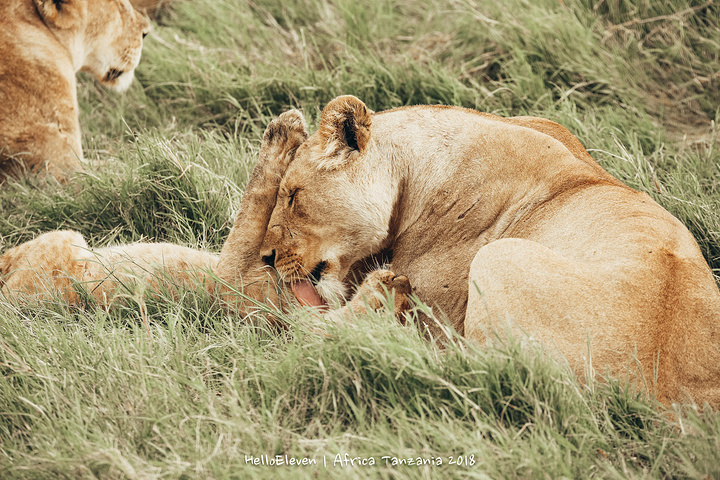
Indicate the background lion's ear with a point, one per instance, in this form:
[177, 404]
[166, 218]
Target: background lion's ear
[61, 14]
[344, 130]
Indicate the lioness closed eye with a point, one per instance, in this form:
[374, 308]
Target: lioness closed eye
[43, 44]
[502, 222]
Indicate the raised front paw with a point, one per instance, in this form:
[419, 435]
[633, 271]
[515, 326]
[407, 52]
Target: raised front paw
[380, 282]
[282, 137]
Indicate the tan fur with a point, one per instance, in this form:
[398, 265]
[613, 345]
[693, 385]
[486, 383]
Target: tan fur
[241, 270]
[150, 7]
[43, 44]
[505, 223]
[61, 265]
[372, 294]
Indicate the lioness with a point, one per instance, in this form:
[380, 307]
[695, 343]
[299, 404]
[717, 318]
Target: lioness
[502, 222]
[60, 264]
[43, 44]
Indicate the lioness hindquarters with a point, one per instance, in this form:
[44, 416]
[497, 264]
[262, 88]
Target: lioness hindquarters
[535, 293]
[608, 280]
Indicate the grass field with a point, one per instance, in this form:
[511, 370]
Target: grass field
[159, 388]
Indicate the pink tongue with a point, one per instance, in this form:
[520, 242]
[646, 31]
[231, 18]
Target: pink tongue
[306, 294]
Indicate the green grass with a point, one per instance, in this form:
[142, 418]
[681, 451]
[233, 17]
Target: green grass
[163, 388]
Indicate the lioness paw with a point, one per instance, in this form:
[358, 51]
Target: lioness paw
[282, 137]
[377, 284]
[288, 125]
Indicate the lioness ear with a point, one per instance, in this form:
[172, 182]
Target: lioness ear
[61, 14]
[344, 131]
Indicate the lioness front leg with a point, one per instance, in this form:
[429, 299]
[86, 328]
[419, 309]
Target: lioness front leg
[241, 271]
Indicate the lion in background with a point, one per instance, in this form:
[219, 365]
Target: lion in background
[60, 264]
[43, 44]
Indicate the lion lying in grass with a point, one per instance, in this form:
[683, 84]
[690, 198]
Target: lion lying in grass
[502, 223]
[43, 44]
[498, 223]
[60, 264]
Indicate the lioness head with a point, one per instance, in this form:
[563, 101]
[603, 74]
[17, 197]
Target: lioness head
[333, 209]
[105, 37]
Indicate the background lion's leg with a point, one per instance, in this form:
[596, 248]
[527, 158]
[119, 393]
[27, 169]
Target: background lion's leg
[60, 263]
[159, 267]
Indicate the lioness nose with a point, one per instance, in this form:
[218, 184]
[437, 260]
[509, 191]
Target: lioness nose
[269, 259]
